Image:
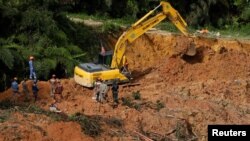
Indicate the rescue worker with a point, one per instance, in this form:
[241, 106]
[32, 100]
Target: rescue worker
[58, 91]
[53, 107]
[25, 87]
[103, 92]
[35, 90]
[14, 87]
[32, 69]
[52, 82]
[96, 89]
[115, 88]
[124, 68]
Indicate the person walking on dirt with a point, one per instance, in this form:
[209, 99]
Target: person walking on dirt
[115, 88]
[58, 91]
[52, 82]
[35, 90]
[96, 88]
[32, 69]
[25, 87]
[103, 92]
[14, 87]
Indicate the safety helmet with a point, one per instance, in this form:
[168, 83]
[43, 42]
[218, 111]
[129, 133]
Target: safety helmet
[54, 101]
[53, 75]
[15, 78]
[31, 57]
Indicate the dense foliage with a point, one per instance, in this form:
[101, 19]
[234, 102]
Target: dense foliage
[197, 12]
[42, 29]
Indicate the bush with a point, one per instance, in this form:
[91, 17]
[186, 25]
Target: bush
[127, 102]
[6, 104]
[90, 126]
[136, 95]
[110, 27]
[115, 122]
[137, 106]
[4, 115]
[159, 105]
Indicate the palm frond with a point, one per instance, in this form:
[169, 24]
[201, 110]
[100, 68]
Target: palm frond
[74, 49]
[68, 64]
[79, 55]
[6, 57]
[56, 51]
[44, 66]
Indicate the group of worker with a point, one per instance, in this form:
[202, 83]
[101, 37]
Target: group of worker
[26, 92]
[55, 84]
[32, 76]
[101, 89]
[56, 88]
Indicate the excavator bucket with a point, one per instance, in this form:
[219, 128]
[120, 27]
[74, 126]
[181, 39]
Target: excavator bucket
[184, 46]
[191, 50]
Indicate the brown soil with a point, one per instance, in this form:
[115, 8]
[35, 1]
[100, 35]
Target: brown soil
[180, 95]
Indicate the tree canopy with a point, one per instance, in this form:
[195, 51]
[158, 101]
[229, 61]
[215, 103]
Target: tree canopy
[41, 29]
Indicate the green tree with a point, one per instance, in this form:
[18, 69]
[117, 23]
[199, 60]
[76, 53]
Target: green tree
[37, 28]
[125, 8]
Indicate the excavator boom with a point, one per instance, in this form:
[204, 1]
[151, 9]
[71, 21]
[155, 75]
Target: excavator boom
[142, 26]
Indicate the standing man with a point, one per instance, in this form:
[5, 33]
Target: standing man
[103, 91]
[96, 89]
[58, 91]
[115, 88]
[14, 87]
[35, 90]
[25, 88]
[32, 69]
[52, 82]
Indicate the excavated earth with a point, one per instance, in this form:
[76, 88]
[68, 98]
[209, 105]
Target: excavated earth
[179, 95]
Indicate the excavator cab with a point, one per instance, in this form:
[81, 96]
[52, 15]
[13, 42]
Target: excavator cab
[105, 58]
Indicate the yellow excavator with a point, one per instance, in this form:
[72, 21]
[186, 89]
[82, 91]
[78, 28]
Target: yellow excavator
[111, 64]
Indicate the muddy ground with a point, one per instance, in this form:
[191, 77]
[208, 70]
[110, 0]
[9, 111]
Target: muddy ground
[175, 98]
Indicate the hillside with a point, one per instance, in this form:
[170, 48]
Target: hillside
[179, 96]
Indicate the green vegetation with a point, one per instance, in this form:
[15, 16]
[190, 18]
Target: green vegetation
[159, 105]
[9, 106]
[127, 102]
[41, 29]
[4, 115]
[115, 122]
[136, 95]
[135, 101]
[90, 126]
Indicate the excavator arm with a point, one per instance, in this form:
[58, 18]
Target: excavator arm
[142, 26]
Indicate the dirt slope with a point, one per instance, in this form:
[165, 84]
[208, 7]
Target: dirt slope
[180, 95]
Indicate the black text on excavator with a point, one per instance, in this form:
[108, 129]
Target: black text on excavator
[111, 64]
